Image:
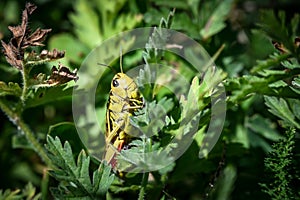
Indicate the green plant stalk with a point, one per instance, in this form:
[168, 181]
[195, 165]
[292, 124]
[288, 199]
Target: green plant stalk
[143, 186]
[21, 125]
[45, 184]
[146, 174]
[25, 74]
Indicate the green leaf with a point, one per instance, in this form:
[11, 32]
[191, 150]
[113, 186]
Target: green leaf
[67, 131]
[189, 104]
[10, 89]
[154, 116]
[280, 108]
[225, 185]
[242, 136]
[153, 52]
[271, 85]
[260, 129]
[135, 159]
[29, 192]
[273, 60]
[75, 175]
[156, 43]
[152, 16]
[296, 85]
[42, 95]
[102, 179]
[125, 22]
[20, 141]
[118, 189]
[113, 21]
[295, 107]
[99, 20]
[216, 21]
[284, 34]
[264, 127]
[75, 50]
[179, 4]
[183, 22]
[10, 195]
[106, 7]
[86, 23]
[192, 107]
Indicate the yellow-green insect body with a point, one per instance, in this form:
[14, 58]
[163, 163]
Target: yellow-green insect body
[124, 100]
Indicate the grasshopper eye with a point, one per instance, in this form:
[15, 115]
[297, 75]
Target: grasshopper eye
[115, 83]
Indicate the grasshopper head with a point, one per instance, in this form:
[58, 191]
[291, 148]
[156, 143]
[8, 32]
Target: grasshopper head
[123, 86]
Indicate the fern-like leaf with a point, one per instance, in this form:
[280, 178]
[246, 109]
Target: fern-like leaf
[280, 108]
[29, 192]
[74, 176]
[279, 166]
[274, 60]
[154, 47]
[10, 89]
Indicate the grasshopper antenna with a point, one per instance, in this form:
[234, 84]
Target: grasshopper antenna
[110, 67]
[121, 66]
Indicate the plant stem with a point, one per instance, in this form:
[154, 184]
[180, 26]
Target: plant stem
[21, 125]
[143, 186]
[25, 75]
[146, 174]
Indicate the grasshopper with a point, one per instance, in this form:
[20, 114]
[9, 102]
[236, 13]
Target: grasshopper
[124, 100]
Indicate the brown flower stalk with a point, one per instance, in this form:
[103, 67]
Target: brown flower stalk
[22, 39]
